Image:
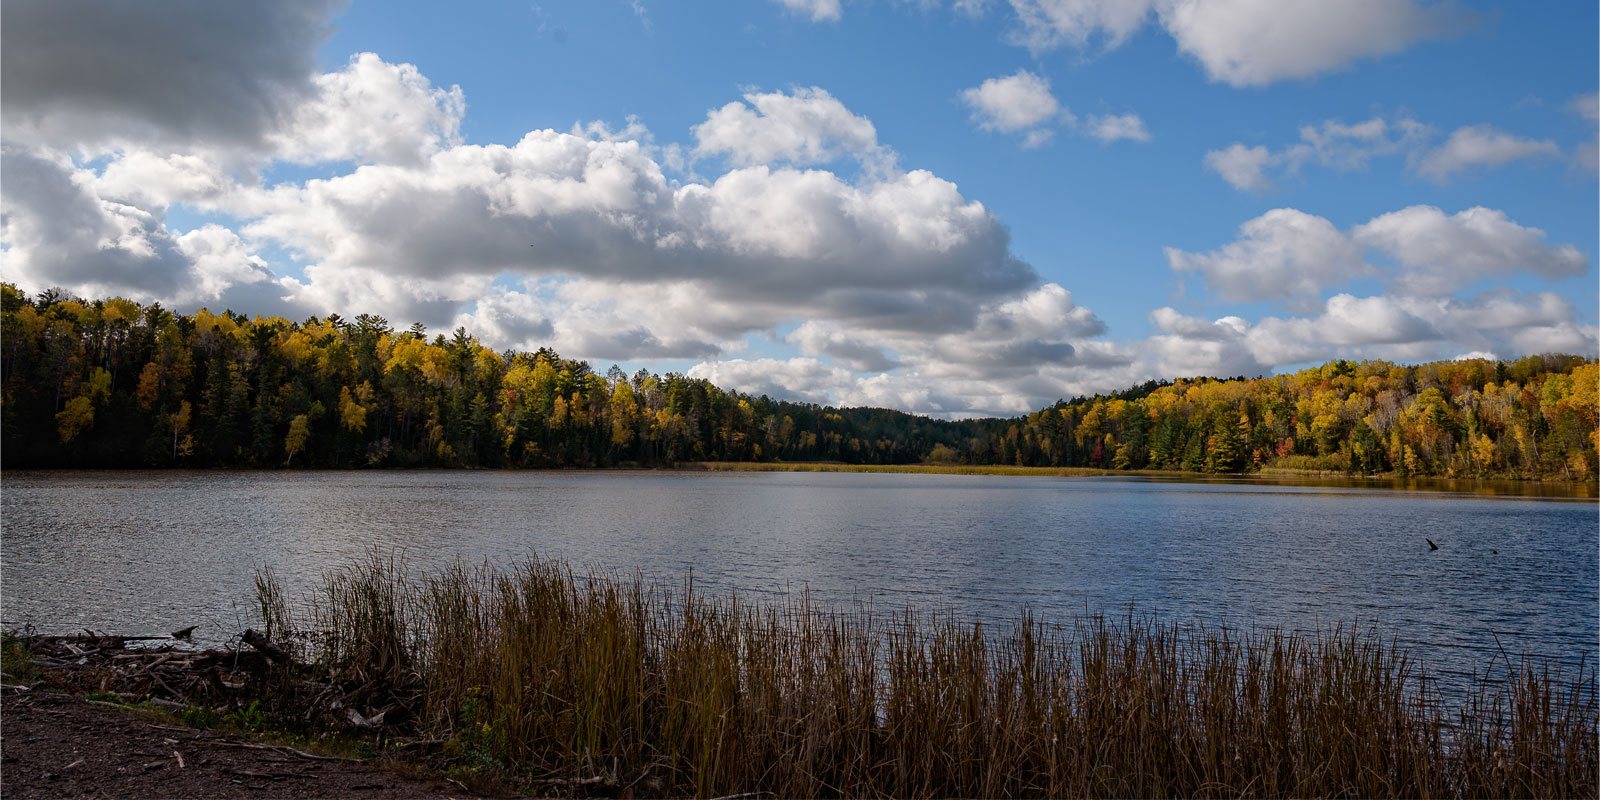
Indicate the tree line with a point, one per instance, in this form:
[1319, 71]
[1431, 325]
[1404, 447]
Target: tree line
[114, 383]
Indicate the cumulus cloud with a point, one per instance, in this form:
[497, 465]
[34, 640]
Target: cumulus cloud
[59, 231]
[1022, 103]
[185, 74]
[1244, 168]
[1112, 127]
[1017, 103]
[816, 10]
[1282, 254]
[1349, 147]
[1190, 346]
[804, 379]
[147, 180]
[1402, 327]
[1586, 106]
[1288, 254]
[1480, 146]
[371, 112]
[1337, 145]
[805, 127]
[1587, 155]
[1258, 42]
[603, 210]
[1439, 253]
[1245, 42]
[1018, 354]
[221, 265]
[1332, 143]
[816, 338]
[1048, 24]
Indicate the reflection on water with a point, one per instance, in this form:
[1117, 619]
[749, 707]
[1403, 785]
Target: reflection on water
[1477, 486]
[137, 552]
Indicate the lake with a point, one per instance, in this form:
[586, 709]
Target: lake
[135, 552]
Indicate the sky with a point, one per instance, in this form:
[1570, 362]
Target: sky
[951, 208]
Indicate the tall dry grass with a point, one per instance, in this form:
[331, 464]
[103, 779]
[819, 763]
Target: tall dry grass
[626, 685]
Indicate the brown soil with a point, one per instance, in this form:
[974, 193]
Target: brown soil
[55, 745]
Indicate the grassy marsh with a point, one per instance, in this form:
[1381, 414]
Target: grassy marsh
[598, 682]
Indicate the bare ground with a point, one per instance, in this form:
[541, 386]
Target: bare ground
[55, 745]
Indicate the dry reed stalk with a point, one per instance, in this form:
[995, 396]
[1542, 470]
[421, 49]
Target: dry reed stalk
[630, 685]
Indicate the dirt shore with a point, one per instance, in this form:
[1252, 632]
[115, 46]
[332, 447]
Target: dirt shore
[55, 745]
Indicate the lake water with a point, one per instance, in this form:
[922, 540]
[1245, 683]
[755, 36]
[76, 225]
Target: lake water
[134, 552]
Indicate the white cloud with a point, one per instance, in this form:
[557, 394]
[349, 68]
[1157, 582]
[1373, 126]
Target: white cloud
[1332, 144]
[151, 181]
[815, 338]
[1286, 254]
[59, 231]
[1245, 42]
[805, 127]
[1017, 103]
[1282, 254]
[1439, 254]
[1586, 106]
[1244, 168]
[1019, 354]
[816, 10]
[971, 8]
[1401, 327]
[803, 379]
[1587, 154]
[1480, 146]
[1258, 42]
[1188, 346]
[220, 261]
[372, 112]
[1112, 127]
[1351, 147]
[603, 210]
[433, 301]
[1047, 24]
[1337, 145]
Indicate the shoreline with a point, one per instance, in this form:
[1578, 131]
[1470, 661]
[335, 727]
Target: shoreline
[648, 690]
[1509, 488]
[1500, 487]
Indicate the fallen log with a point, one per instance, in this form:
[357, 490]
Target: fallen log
[265, 646]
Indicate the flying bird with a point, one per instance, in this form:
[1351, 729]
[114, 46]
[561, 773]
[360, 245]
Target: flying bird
[1431, 546]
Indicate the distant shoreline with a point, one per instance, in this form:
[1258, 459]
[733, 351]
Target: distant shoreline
[1536, 488]
[1269, 477]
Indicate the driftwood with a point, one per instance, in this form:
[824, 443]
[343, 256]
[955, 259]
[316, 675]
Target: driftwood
[257, 670]
[265, 646]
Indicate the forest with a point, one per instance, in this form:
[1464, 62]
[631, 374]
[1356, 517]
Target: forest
[115, 383]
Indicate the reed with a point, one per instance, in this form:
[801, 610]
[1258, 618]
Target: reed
[617, 683]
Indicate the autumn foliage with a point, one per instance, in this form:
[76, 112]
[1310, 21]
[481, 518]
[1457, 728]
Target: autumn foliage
[1534, 417]
[116, 383]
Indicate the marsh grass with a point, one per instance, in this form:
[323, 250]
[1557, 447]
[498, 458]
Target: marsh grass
[626, 685]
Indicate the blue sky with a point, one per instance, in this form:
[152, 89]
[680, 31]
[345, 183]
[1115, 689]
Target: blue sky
[1442, 203]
